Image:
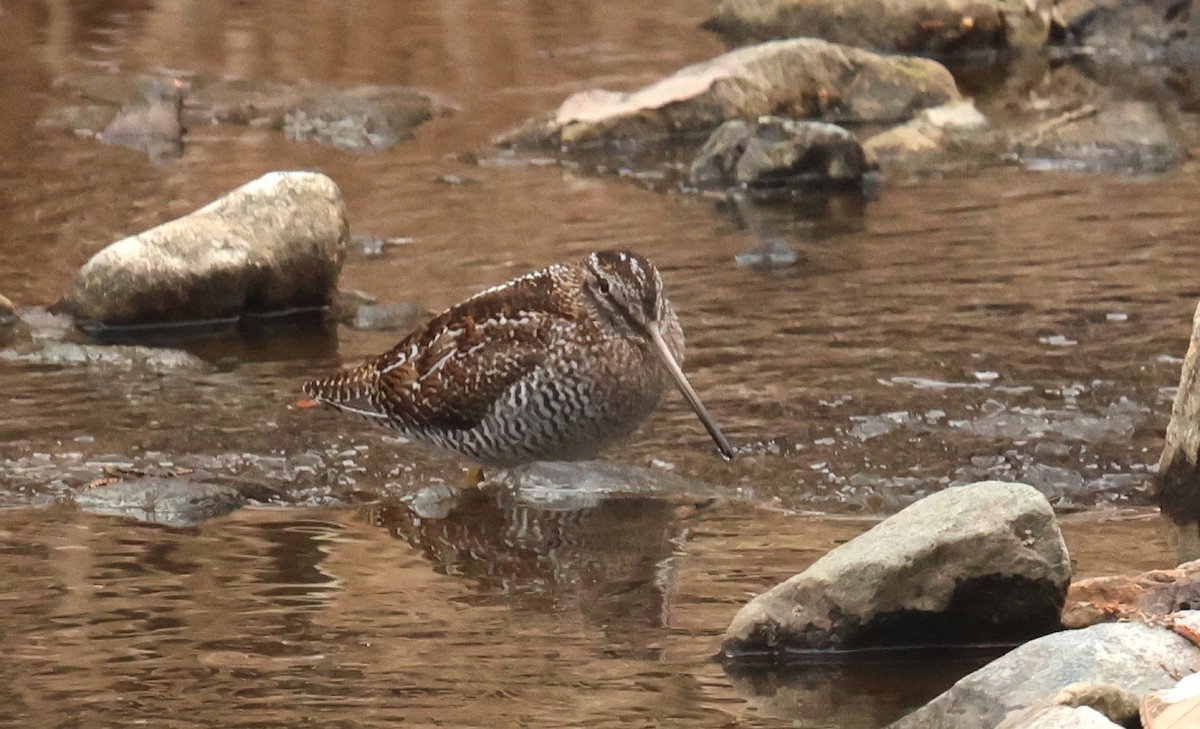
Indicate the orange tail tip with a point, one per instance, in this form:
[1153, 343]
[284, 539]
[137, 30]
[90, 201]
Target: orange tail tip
[305, 403]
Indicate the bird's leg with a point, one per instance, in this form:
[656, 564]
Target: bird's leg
[474, 477]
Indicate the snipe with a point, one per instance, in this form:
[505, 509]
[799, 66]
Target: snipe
[553, 365]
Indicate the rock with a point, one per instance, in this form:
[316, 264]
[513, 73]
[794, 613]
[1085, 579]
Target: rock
[933, 140]
[798, 78]
[1079, 705]
[151, 123]
[937, 27]
[359, 119]
[1121, 30]
[172, 501]
[1138, 658]
[1177, 707]
[121, 357]
[1177, 484]
[770, 254]
[774, 152]
[957, 117]
[272, 245]
[1063, 717]
[1119, 136]
[1158, 593]
[358, 310]
[978, 563]
[356, 118]
[388, 317]
[12, 329]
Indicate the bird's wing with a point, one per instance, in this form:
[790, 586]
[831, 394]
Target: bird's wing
[447, 375]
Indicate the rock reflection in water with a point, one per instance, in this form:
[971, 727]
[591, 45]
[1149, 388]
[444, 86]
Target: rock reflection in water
[871, 692]
[611, 557]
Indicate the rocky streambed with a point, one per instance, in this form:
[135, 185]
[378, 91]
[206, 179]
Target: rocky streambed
[894, 302]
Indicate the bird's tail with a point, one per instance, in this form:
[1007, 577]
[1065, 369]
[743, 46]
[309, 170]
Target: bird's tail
[353, 391]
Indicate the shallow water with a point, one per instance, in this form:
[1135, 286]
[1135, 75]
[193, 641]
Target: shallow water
[1008, 325]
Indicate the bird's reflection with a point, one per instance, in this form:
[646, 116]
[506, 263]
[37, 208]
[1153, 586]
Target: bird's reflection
[610, 557]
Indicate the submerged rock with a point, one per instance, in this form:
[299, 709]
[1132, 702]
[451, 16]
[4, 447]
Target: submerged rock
[1177, 485]
[272, 245]
[773, 152]
[937, 138]
[1158, 593]
[580, 482]
[930, 26]
[121, 357]
[12, 329]
[356, 118]
[978, 563]
[798, 78]
[360, 119]
[1136, 658]
[1128, 30]
[388, 317]
[171, 501]
[1112, 136]
[151, 123]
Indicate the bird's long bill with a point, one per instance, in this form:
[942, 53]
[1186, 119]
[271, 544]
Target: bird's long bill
[689, 394]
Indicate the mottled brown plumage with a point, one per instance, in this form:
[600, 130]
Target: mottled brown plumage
[553, 365]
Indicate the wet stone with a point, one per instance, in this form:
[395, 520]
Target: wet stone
[1158, 593]
[943, 27]
[1062, 717]
[798, 78]
[388, 317]
[978, 563]
[1113, 135]
[151, 123]
[274, 244]
[1136, 658]
[360, 118]
[125, 357]
[12, 329]
[170, 501]
[773, 152]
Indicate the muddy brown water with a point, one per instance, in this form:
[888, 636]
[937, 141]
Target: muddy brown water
[1008, 325]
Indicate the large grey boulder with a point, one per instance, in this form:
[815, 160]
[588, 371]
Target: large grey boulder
[1135, 657]
[979, 563]
[271, 245]
[909, 26]
[802, 78]
[774, 152]
[1177, 485]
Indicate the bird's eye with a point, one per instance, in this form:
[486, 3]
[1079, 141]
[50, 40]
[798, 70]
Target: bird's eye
[603, 287]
